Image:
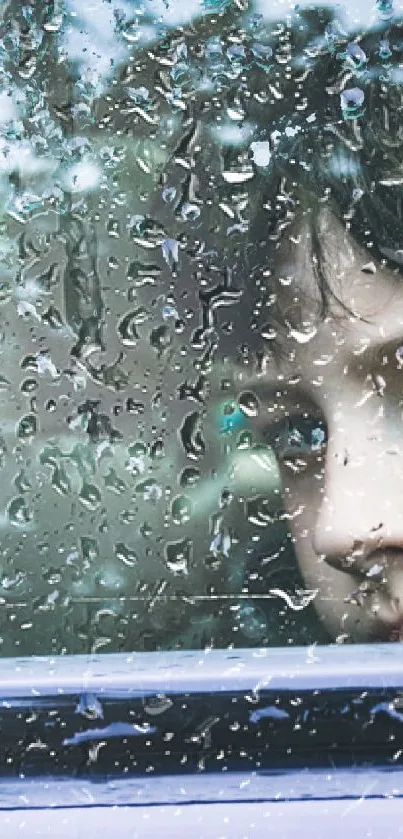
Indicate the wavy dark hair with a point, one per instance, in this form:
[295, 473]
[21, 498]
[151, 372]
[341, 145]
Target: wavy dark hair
[328, 107]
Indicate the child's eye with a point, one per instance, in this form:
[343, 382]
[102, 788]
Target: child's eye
[295, 436]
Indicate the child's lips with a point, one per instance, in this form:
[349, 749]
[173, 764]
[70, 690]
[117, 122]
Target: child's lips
[383, 609]
[389, 630]
[396, 632]
[379, 580]
[396, 635]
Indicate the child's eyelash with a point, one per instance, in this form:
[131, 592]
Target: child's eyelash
[293, 436]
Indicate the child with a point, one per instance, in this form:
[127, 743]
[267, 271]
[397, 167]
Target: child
[296, 142]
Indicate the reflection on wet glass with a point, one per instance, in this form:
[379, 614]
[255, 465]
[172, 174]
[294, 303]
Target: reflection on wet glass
[145, 200]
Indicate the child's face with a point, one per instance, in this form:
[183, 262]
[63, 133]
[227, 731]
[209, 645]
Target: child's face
[341, 456]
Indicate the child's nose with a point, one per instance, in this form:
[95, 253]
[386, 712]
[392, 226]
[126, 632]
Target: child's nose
[361, 508]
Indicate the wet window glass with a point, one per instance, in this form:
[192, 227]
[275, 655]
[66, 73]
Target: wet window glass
[201, 325]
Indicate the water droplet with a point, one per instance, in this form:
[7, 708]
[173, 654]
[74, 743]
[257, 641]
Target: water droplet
[170, 252]
[127, 330]
[150, 490]
[303, 337]
[155, 705]
[142, 274]
[169, 312]
[385, 51]
[169, 194]
[262, 54]
[352, 102]
[259, 512]
[27, 426]
[145, 530]
[179, 326]
[127, 516]
[249, 404]
[45, 364]
[27, 65]
[54, 23]
[190, 212]
[134, 407]
[252, 622]
[318, 437]
[89, 548]
[240, 177]
[178, 556]
[379, 383]
[160, 338]
[138, 449]
[114, 483]
[181, 509]
[11, 583]
[113, 228]
[5, 292]
[333, 33]
[245, 440]
[22, 484]
[18, 512]
[29, 363]
[261, 153]
[226, 499]
[221, 543]
[125, 554]
[52, 576]
[355, 56]
[385, 9]
[61, 481]
[232, 417]
[49, 456]
[191, 476]
[369, 268]
[157, 449]
[191, 437]
[90, 496]
[29, 386]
